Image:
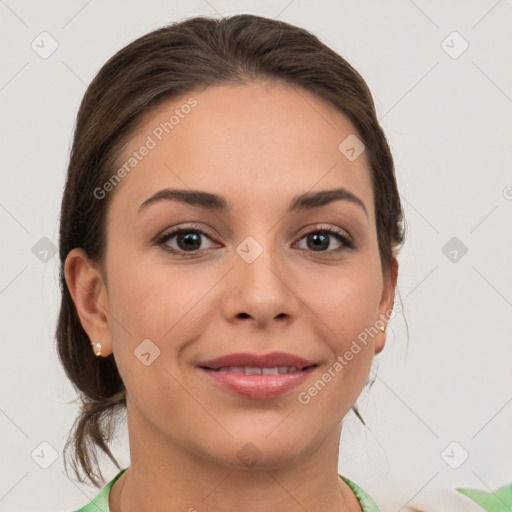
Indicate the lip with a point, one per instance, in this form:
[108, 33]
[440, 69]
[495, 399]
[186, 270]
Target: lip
[260, 387]
[257, 360]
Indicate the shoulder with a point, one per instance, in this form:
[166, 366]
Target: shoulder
[100, 502]
[367, 503]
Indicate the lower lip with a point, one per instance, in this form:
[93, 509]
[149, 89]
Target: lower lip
[259, 386]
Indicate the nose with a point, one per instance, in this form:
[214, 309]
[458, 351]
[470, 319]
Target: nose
[260, 290]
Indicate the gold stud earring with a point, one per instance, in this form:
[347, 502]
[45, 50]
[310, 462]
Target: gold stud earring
[383, 327]
[97, 351]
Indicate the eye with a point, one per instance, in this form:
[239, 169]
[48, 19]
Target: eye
[188, 241]
[320, 239]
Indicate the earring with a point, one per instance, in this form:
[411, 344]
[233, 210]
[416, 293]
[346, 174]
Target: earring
[97, 351]
[383, 327]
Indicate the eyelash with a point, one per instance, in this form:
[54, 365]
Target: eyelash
[335, 232]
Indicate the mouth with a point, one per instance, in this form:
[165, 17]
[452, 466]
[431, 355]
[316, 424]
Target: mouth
[257, 376]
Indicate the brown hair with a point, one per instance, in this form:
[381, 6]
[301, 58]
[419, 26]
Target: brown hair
[161, 65]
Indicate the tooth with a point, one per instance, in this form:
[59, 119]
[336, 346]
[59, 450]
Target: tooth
[252, 371]
[232, 369]
[249, 370]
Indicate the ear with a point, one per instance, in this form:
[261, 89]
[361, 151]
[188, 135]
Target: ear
[387, 302]
[89, 293]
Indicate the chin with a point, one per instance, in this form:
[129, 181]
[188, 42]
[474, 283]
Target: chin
[258, 452]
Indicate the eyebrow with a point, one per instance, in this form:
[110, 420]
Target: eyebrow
[215, 202]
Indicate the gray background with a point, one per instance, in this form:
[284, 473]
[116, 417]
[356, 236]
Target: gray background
[448, 120]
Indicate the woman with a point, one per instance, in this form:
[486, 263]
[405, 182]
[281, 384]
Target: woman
[229, 232]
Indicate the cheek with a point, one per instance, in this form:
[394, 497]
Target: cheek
[153, 301]
[348, 313]
[347, 305]
[137, 305]
[148, 305]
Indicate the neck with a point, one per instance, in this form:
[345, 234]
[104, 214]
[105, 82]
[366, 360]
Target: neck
[165, 476]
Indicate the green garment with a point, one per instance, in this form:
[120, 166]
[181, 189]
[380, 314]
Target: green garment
[100, 503]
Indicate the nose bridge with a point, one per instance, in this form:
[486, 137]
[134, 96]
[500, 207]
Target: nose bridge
[258, 288]
[257, 262]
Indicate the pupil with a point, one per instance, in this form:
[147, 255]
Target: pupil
[324, 241]
[190, 240]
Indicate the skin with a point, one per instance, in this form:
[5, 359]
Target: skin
[258, 145]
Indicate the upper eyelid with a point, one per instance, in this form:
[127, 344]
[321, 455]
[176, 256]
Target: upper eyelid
[174, 231]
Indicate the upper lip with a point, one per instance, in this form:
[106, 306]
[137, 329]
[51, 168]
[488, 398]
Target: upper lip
[243, 359]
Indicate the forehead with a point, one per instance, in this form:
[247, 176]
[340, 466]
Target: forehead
[256, 143]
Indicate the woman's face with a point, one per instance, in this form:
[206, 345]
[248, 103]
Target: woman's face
[255, 272]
